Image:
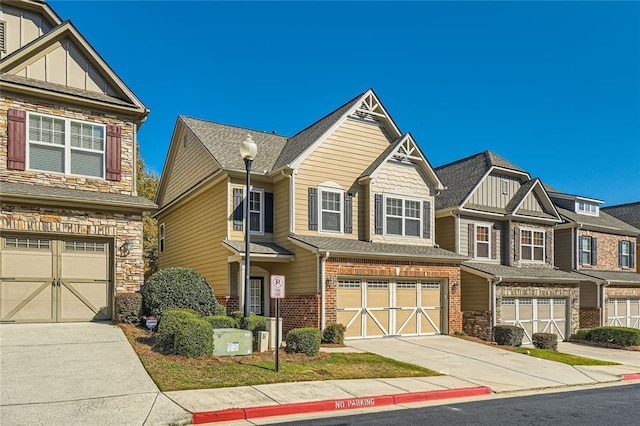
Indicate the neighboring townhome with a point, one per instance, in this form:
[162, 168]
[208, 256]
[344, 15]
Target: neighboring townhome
[343, 209]
[629, 213]
[70, 220]
[496, 214]
[602, 247]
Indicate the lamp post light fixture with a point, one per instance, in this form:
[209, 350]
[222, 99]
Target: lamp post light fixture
[248, 150]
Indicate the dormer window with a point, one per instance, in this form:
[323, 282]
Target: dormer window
[586, 207]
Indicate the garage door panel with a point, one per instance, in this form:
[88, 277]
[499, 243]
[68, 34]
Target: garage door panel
[27, 301]
[535, 315]
[430, 321]
[84, 301]
[377, 323]
[353, 321]
[27, 263]
[623, 312]
[406, 322]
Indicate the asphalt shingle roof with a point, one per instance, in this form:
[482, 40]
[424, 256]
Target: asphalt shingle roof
[259, 248]
[615, 276]
[357, 247]
[603, 220]
[11, 188]
[629, 213]
[519, 273]
[460, 177]
[223, 142]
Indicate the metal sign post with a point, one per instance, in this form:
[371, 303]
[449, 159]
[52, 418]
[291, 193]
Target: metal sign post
[277, 292]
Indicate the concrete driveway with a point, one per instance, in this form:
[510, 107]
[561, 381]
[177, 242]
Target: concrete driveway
[481, 364]
[628, 358]
[77, 374]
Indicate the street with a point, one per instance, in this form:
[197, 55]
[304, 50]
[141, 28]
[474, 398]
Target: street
[602, 406]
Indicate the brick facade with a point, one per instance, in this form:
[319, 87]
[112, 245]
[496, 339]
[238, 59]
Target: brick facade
[607, 258]
[298, 312]
[589, 317]
[340, 268]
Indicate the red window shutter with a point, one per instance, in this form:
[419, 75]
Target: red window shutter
[114, 171]
[16, 139]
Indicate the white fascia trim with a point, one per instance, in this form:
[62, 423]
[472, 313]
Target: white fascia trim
[480, 212]
[304, 245]
[191, 191]
[511, 171]
[565, 196]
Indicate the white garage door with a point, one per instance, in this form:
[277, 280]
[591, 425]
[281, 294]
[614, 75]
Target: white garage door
[536, 315]
[386, 308]
[49, 280]
[623, 312]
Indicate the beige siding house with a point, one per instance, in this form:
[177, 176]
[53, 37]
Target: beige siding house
[503, 220]
[344, 210]
[603, 249]
[70, 217]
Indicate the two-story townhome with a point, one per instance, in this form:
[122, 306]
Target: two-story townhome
[343, 209]
[70, 219]
[502, 219]
[630, 213]
[603, 248]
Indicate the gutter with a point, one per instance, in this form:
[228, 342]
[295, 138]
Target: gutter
[323, 316]
[603, 316]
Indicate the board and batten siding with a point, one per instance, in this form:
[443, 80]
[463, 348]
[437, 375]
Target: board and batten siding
[495, 225]
[190, 164]
[563, 250]
[402, 180]
[301, 275]
[341, 158]
[22, 27]
[446, 233]
[490, 194]
[531, 203]
[194, 231]
[476, 292]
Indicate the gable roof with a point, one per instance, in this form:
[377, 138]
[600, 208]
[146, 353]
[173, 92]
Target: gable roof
[462, 176]
[223, 142]
[531, 187]
[602, 221]
[629, 212]
[30, 52]
[38, 6]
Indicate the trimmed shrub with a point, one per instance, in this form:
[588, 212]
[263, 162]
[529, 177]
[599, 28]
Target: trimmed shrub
[334, 334]
[508, 335]
[238, 316]
[622, 336]
[220, 310]
[221, 321]
[303, 340]
[171, 321]
[128, 308]
[194, 337]
[583, 333]
[178, 288]
[545, 341]
[254, 323]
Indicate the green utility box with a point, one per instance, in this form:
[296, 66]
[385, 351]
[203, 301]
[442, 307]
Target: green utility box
[232, 342]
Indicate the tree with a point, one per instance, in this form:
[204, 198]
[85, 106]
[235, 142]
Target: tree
[147, 186]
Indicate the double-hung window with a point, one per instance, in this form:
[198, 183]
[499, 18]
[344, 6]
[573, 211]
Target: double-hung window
[625, 254]
[585, 250]
[256, 211]
[483, 234]
[330, 210]
[62, 145]
[532, 245]
[403, 217]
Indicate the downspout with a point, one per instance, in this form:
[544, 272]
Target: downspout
[457, 232]
[603, 317]
[575, 254]
[292, 199]
[512, 241]
[493, 302]
[323, 259]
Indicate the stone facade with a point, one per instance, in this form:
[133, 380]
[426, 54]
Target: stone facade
[125, 186]
[515, 249]
[477, 324]
[115, 227]
[607, 251]
[337, 268]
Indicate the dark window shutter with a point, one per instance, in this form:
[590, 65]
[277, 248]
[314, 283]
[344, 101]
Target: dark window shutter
[620, 254]
[580, 250]
[594, 251]
[494, 244]
[238, 209]
[379, 213]
[114, 153]
[348, 213]
[16, 139]
[516, 238]
[472, 240]
[426, 221]
[313, 209]
[548, 249]
[632, 255]
[268, 212]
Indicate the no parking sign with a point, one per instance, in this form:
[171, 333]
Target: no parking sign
[277, 286]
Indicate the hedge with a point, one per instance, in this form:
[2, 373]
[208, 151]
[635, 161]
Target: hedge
[545, 341]
[194, 337]
[221, 321]
[170, 322]
[508, 335]
[334, 334]
[128, 307]
[303, 340]
[622, 336]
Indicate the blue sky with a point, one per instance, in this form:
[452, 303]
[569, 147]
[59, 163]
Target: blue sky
[551, 87]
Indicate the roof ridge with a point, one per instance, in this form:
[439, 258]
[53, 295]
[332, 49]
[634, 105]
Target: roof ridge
[460, 160]
[233, 126]
[632, 203]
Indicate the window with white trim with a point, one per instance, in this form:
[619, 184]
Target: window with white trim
[62, 145]
[256, 211]
[330, 210]
[161, 242]
[586, 207]
[532, 245]
[483, 241]
[403, 217]
[505, 187]
[625, 254]
[585, 252]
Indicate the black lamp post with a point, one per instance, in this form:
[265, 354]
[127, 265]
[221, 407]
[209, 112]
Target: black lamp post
[248, 149]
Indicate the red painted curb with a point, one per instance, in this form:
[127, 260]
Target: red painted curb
[631, 376]
[334, 405]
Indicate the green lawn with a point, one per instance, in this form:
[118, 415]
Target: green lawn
[561, 357]
[171, 372]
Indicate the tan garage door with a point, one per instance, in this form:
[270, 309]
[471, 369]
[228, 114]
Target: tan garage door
[50, 280]
[623, 312]
[536, 315]
[384, 308]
